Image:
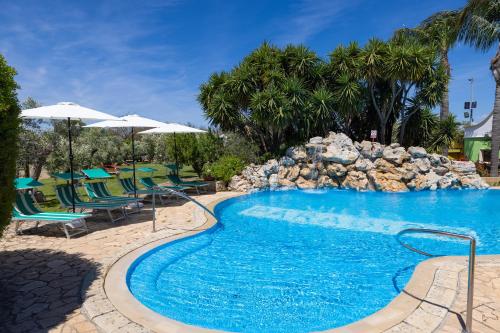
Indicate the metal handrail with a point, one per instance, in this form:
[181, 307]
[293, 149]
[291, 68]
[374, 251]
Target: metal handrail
[182, 195]
[472, 261]
[187, 197]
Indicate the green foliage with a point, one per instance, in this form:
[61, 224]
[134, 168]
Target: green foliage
[35, 143]
[194, 149]
[480, 24]
[277, 97]
[9, 131]
[237, 145]
[420, 128]
[96, 146]
[274, 97]
[91, 148]
[145, 147]
[401, 74]
[224, 168]
[445, 133]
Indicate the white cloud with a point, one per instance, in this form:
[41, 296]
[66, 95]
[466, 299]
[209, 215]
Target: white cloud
[311, 17]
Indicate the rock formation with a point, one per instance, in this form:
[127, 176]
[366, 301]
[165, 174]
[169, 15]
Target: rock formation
[337, 162]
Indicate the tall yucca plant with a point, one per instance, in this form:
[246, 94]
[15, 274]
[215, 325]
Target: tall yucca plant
[344, 78]
[397, 71]
[444, 134]
[480, 27]
[270, 97]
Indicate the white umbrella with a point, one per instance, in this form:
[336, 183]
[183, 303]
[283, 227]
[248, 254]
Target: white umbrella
[132, 121]
[66, 110]
[69, 111]
[173, 128]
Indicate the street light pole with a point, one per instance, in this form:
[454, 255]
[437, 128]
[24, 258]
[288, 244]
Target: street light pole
[471, 81]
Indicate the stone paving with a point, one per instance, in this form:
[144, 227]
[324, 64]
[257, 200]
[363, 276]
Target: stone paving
[41, 272]
[44, 277]
[443, 309]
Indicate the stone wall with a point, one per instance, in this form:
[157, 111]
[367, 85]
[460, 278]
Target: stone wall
[337, 162]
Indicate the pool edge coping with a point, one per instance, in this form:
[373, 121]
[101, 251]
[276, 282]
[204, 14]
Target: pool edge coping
[121, 309]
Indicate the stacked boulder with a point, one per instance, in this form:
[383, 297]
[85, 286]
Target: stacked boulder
[338, 162]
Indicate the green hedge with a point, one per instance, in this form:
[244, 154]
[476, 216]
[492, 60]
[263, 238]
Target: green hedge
[9, 130]
[224, 168]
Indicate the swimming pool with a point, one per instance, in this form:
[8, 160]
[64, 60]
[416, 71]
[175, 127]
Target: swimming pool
[299, 261]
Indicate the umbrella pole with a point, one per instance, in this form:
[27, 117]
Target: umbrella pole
[71, 165]
[175, 153]
[133, 163]
[154, 210]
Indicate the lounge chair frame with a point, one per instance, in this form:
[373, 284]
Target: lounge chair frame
[176, 180]
[98, 192]
[25, 210]
[63, 194]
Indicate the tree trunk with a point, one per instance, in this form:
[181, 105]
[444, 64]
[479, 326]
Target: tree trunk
[26, 169]
[445, 99]
[495, 132]
[402, 131]
[37, 168]
[382, 132]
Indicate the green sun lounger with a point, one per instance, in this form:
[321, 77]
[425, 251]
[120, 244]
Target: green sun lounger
[97, 173]
[64, 194]
[25, 210]
[176, 180]
[128, 188]
[149, 183]
[99, 192]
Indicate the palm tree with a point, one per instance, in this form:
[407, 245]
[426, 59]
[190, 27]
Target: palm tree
[439, 31]
[480, 28]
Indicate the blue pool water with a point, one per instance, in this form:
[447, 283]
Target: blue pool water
[299, 261]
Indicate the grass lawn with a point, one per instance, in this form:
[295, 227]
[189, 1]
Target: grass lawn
[113, 185]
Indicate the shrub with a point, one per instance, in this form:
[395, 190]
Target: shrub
[238, 145]
[9, 131]
[224, 168]
[194, 149]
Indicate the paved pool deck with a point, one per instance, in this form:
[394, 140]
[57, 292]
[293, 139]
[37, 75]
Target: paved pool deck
[51, 284]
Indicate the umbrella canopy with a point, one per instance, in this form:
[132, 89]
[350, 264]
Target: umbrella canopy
[132, 121]
[67, 111]
[26, 183]
[173, 128]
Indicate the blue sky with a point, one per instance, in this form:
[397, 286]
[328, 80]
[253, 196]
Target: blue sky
[149, 57]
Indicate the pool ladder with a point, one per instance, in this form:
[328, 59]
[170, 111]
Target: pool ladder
[472, 260]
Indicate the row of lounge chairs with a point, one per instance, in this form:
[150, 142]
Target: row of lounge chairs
[25, 210]
[101, 199]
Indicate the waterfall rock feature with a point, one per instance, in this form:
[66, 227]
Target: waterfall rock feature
[337, 162]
